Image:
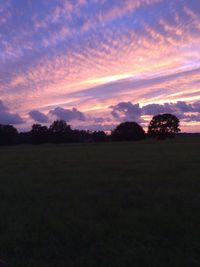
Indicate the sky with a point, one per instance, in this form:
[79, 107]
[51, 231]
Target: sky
[97, 63]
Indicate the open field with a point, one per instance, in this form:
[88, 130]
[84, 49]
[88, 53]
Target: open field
[101, 205]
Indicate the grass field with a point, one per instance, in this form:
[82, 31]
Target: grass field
[101, 205]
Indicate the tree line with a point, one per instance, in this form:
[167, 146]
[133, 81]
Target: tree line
[161, 126]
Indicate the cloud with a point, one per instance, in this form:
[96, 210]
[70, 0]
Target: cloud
[153, 109]
[97, 127]
[99, 120]
[196, 106]
[192, 118]
[3, 108]
[125, 111]
[179, 107]
[38, 116]
[7, 117]
[68, 114]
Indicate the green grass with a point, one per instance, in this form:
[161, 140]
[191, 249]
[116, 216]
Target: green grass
[101, 205]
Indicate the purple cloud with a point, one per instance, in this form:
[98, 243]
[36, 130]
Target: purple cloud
[99, 120]
[38, 116]
[68, 114]
[179, 107]
[125, 111]
[7, 117]
[2, 106]
[195, 118]
[196, 106]
[97, 127]
[153, 109]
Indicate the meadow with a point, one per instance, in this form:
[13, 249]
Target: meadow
[101, 205]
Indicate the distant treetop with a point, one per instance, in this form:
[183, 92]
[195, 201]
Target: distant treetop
[128, 131]
[163, 126]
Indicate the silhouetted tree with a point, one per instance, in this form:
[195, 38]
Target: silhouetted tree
[8, 135]
[82, 136]
[60, 132]
[24, 138]
[128, 131]
[163, 126]
[39, 134]
[99, 136]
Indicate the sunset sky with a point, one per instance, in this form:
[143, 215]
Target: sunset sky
[96, 63]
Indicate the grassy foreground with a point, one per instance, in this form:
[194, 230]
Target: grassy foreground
[101, 205]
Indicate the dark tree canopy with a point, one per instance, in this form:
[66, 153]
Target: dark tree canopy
[128, 131]
[163, 126]
[8, 135]
[59, 126]
[39, 134]
[60, 132]
[99, 136]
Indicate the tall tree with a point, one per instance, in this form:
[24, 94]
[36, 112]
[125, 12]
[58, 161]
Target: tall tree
[39, 134]
[8, 135]
[99, 136]
[128, 131]
[163, 126]
[60, 132]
